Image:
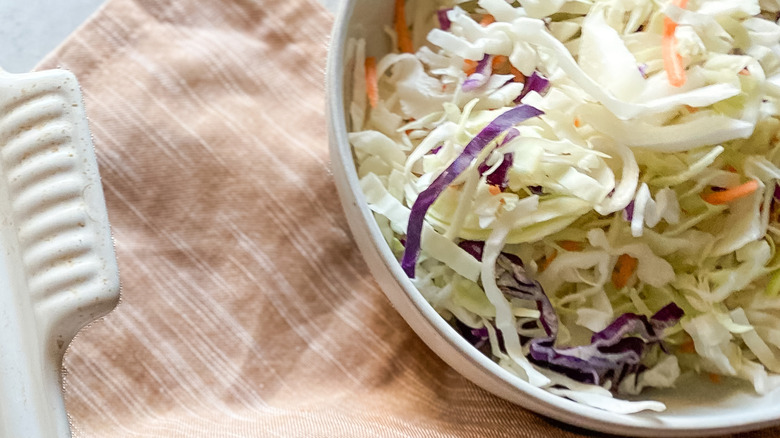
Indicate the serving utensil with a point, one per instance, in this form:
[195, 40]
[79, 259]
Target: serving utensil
[58, 271]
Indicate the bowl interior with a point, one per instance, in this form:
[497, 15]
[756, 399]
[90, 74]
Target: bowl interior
[695, 407]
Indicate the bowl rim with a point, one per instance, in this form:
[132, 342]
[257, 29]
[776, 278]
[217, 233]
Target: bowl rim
[403, 294]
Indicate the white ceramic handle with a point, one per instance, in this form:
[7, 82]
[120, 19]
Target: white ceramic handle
[58, 270]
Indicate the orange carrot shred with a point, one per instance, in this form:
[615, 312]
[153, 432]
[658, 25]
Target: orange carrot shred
[401, 30]
[498, 61]
[673, 63]
[730, 194]
[494, 189]
[409, 131]
[547, 260]
[714, 378]
[744, 72]
[571, 245]
[519, 76]
[624, 269]
[372, 87]
[730, 168]
[409, 120]
[577, 122]
[487, 19]
[688, 346]
[692, 109]
[471, 66]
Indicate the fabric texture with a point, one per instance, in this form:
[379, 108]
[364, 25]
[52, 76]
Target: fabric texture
[246, 308]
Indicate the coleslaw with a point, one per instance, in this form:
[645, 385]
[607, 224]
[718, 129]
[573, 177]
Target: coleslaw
[587, 190]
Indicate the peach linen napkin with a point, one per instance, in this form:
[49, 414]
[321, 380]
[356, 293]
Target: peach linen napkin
[246, 309]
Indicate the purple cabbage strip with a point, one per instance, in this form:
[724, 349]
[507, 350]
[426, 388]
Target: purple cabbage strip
[427, 197]
[480, 76]
[476, 337]
[511, 134]
[499, 177]
[777, 192]
[473, 247]
[535, 82]
[444, 20]
[613, 353]
[628, 212]
[642, 70]
[513, 281]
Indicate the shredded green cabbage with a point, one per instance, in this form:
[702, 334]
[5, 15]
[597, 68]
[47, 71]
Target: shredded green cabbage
[622, 165]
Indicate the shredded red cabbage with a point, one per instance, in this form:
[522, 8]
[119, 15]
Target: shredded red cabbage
[478, 337]
[535, 82]
[628, 212]
[473, 247]
[427, 197]
[500, 176]
[480, 76]
[444, 21]
[642, 69]
[613, 354]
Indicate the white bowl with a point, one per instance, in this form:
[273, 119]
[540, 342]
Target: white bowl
[694, 407]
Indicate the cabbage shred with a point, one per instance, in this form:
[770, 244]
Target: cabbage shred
[616, 163]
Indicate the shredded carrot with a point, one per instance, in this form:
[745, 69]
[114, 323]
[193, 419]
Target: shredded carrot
[547, 260]
[471, 66]
[408, 131]
[730, 194]
[571, 245]
[372, 87]
[494, 189]
[487, 19]
[730, 168]
[714, 378]
[692, 109]
[624, 269]
[688, 346]
[519, 76]
[498, 61]
[401, 30]
[744, 72]
[577, 122]
[673, 63]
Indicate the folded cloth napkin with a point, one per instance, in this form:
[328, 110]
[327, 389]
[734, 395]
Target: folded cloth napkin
[246, 308]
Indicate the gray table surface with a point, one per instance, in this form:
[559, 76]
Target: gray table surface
[29, 29]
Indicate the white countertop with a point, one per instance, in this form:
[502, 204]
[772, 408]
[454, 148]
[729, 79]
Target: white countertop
[30, 29]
